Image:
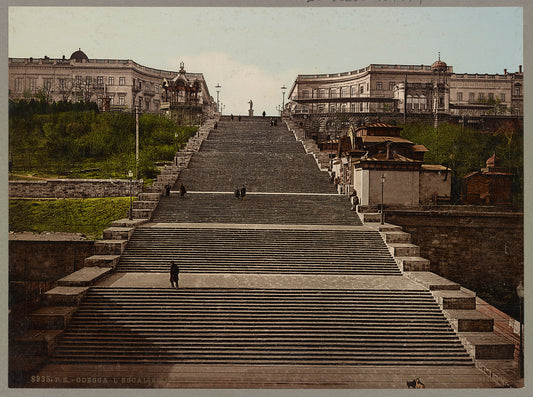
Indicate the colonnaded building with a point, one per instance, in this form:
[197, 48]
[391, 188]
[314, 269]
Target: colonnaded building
[431, 90]
[114, 84]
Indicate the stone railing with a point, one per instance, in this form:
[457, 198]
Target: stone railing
[74, 188]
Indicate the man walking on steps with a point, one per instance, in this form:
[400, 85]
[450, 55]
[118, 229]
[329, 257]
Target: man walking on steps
[174, 274]
[182, 190]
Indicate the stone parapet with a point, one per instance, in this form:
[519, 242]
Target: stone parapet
[74, 188]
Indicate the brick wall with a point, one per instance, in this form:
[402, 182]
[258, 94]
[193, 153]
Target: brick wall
[480, 249]
[74, 188]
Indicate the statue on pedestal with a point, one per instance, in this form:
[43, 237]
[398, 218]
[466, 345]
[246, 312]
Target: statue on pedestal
[251, 111]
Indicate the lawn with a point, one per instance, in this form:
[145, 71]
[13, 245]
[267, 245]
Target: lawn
[86, 216]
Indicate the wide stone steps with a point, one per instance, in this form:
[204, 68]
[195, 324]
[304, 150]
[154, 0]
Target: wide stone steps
[213, 326]
[256, 208]
[257, 251]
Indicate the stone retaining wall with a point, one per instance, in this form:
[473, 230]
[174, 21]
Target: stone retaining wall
[481, 250]
[31, 260]
[74, 188]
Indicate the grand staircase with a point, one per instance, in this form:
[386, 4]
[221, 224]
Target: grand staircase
[285, 287]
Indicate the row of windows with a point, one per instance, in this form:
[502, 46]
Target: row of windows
[344, 92]
[480, 96]
[64, 83]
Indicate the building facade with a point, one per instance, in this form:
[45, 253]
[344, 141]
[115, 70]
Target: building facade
[430, 89]
[114, 84]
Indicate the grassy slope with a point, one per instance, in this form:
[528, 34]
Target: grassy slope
[87, 216]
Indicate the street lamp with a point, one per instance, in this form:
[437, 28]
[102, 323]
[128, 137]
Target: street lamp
[520, 293]
[382, 183]
[130, 175]
[283, 88]
[218, 87]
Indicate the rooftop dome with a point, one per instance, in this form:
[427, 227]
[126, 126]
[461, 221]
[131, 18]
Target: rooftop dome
[439, 66]
[79, 56]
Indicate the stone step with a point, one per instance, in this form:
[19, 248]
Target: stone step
[486, 346]
[110, 247]
[51, 317]
[118, 233]
[412, 263]
[110, 261]
[396, 237]
[403, 249]
[469, 321]
[142, 213]
[455, 300]
[432, 281]
[65, 296]
[149, 196]
[144, 205]
[84, 277]
[370, 217]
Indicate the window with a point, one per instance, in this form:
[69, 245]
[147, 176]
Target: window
[111, 81]
[332, 107]
[459, 97]
[33, 84]
[121, 81]
[361, 107]
[19, 84]
[502, 97]
[321, 93]
[422, 102]
[333, 93]
[491, 96]
[320, 108]
[480, 96]
[343, 108]
[47, 83]
[471, 96]
[156, 88]
[367, 87]
[78, 80]
[305, 94]
[379, 85]
[100, 80]
[344, 92]
[361, 88]
[88, 80]
[352, 107]
[121, 100]
[517, 90]
[354, 90]
[391, 85]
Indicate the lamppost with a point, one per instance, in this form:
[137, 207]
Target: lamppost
[218, 87]
[130, 175]
[382, 183]
[283, 88]
[222, 106]
[520, 293]
[279, 109]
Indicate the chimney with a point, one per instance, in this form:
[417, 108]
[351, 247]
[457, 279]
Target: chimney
[520, 69]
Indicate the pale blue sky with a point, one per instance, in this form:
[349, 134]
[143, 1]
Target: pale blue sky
[251, 52]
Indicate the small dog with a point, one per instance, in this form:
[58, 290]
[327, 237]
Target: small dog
[415, 384]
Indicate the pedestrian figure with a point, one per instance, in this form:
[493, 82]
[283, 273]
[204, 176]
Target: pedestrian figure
[271, 122]
[264, 114]
[237, 193]
[239, 118]
[232, 117]
[275, 122]
[243, 191]
[167, 190]
[182, 190]
[354, 200]
[174, 274]
[216, 126]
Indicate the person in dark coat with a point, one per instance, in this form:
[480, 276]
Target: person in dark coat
[264, 114]
[354, 200]
[232, 117]
[174, 274]
[243, 191]
[239, 118]
[237, 193]
[182, 190]
[216, 126]
[167, 190]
